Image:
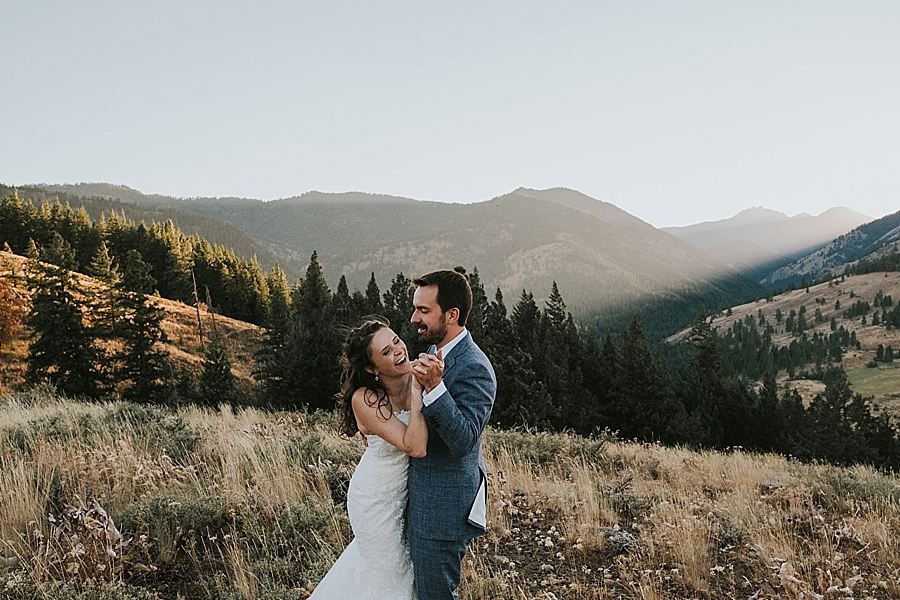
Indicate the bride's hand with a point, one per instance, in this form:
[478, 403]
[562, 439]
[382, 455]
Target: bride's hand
[429, 370]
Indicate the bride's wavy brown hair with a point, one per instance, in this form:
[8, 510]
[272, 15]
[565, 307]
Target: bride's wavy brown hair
[355, 359]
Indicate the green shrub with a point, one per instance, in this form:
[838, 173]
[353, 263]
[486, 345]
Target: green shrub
[546, 448]
[155, 427]
[179, 527]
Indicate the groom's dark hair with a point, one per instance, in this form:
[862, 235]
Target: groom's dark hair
[453, 291]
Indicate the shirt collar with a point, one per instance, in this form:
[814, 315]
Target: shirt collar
[446, 348]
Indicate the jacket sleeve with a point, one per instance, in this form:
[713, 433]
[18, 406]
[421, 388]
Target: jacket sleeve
[460, 415]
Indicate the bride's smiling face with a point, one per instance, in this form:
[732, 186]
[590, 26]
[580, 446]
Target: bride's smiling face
[388, 354]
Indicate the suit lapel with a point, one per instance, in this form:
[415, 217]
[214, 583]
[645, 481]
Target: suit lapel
[455, 353]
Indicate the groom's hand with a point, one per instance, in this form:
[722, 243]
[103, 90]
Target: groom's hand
[429, 370]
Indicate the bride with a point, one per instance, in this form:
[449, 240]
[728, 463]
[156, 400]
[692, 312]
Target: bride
[381, 399]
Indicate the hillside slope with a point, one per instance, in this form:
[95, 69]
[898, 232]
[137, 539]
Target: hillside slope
[833, 300]
[184, 347]
[527, 239]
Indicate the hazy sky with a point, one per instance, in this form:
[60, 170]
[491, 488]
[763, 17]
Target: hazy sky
[677, 112]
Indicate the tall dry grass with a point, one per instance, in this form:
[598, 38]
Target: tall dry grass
[129, 501]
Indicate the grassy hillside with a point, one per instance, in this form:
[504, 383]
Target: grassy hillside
[201, 503]
[881, 382]
[180, 325]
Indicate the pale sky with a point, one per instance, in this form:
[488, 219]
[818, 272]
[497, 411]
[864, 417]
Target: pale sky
[677, 112]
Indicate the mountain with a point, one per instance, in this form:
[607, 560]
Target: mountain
[758, 241]
[604, 260]
[872, 240]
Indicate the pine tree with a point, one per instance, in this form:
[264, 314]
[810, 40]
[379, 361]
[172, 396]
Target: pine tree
[272, 365]
[526, 323]
[475, 324]
[562, 354]
[373, 298]
[344, 315]
[102, 305]
[217, 384]
[793, 426]
[833, 436]
[701, 389]
[312, 344]
[63, 350]
[143, 365]
[645, 407]
[769, 431]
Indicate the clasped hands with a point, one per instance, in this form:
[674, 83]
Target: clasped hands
[428, 370]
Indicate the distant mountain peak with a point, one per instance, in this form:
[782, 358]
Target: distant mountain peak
[758, 214]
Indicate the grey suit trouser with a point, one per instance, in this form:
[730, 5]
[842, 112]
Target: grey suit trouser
[438, 566]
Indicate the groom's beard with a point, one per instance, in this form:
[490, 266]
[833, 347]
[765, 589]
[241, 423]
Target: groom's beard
[437, 335]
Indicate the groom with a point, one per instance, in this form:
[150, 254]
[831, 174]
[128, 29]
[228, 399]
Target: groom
[448, 487]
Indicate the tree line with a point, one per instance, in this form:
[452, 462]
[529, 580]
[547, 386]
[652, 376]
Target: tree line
[183, 267]
[551, 376]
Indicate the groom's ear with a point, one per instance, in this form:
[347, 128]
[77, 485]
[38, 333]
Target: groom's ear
[453, 315]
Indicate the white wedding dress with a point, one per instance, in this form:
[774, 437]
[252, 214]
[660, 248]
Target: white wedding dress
[376, 565]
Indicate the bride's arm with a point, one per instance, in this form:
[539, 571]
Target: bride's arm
[417, 430]
[371, 419]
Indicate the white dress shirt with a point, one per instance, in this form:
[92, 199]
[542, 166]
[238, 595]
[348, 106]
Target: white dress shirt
[441, 388]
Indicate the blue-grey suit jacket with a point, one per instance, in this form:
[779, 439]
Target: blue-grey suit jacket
[443, 484]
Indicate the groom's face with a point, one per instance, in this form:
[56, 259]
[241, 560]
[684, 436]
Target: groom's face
[429, 319]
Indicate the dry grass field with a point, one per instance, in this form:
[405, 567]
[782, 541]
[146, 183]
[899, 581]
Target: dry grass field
[128, 501]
